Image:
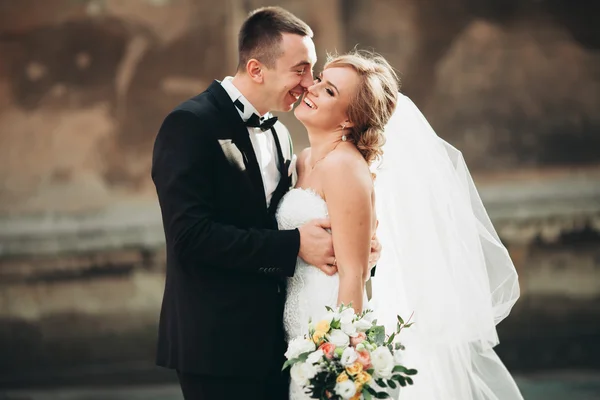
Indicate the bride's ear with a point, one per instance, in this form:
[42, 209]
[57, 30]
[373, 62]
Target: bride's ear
[347, 124]
[254, 69]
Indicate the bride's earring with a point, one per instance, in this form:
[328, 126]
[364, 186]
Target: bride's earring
[344, 138]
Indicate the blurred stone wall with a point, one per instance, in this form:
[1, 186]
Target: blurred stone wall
[84, 84]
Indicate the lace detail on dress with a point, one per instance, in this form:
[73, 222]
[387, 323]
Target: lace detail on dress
[296, 208]
[309, 290]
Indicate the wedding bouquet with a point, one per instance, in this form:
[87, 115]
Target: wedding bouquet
[348, 356]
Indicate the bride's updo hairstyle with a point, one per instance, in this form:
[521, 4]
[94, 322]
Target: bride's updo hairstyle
[374, 101]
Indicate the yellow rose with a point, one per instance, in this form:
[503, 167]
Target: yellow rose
[343, 377]
[354, 369]
[362, 377]
[318, 337]
[322, 326]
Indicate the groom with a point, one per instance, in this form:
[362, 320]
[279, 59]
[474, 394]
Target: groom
[221, 164]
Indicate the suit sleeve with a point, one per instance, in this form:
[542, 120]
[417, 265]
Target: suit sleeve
[182, 162]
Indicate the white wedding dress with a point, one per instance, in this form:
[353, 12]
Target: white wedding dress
[309, 290]
[442, 262]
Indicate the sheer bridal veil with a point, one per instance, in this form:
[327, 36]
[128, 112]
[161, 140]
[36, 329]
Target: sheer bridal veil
[443, 261]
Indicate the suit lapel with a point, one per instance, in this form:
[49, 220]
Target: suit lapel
[240, 138]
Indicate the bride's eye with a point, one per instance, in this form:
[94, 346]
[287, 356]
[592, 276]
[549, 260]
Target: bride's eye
[329, 92]
[317, 79]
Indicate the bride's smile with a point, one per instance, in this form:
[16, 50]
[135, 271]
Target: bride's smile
[324, 105]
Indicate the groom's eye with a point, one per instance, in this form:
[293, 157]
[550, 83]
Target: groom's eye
[301, 71]
[317, 79]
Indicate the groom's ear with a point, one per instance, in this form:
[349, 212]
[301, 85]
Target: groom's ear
[254, 69]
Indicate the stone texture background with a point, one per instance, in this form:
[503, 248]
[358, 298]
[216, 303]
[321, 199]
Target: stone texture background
[85, 84]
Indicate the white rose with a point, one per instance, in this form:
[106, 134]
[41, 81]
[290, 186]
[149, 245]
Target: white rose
[347, 316]
[315, 357]
[345, 389]
[338, 338]
[363, 325]
[301, 373]
[348, 329]
[383, 362]
[330, 316]
[348, 356]
[298, 346]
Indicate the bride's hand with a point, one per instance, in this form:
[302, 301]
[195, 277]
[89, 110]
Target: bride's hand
[375, 252]
[316, 245]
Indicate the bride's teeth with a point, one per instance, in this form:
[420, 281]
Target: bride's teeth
[309, 103]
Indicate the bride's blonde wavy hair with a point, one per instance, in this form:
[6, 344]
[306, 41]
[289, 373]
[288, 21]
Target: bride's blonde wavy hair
[374, 101]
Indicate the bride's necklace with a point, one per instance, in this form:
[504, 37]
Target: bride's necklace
[326, 154]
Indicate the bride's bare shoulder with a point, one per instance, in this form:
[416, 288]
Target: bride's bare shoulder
[346, 168]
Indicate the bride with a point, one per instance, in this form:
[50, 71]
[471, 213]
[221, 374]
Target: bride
[441, 257]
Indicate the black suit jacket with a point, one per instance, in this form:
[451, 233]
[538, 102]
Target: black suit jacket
[226, 261]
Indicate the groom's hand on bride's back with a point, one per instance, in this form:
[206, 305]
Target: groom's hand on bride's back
[316, 245]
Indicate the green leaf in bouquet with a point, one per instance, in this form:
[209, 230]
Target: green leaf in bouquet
[371, 390]
[289, 363]
[371, 371]
[382, 395]
[409, 381]
[399, 346]
[400, 320]
[329, 308]
[366, 394]
[392, 384]
[380, 382]
[376, 335]
[400, 368]
[335, 324]
[400, 379]
[391, 338]
[409, 325]
[301, 358]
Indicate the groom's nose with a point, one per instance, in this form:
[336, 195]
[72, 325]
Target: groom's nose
[307, 80]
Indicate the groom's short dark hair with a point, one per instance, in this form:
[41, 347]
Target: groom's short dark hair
[260, 35]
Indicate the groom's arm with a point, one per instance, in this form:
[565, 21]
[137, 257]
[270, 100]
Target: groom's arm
[183, 161]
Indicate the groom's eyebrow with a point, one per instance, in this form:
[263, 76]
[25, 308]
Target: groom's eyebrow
[301, 64]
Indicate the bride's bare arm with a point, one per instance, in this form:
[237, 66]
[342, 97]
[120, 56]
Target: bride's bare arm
[348, 191]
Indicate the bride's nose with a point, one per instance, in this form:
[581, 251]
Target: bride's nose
[312, 89]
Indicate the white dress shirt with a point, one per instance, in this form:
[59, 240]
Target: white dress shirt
[262, 142]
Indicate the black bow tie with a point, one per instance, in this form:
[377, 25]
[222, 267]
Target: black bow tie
[254, 120]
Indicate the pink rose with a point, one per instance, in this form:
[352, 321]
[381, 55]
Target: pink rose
[364, 358]
[328, 348]
[359, 338]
